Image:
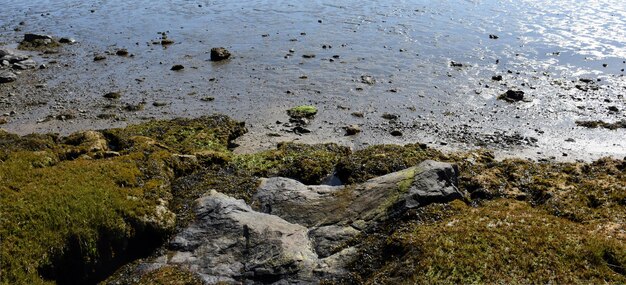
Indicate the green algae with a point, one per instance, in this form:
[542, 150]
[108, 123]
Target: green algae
[304, 111]
[383, 159]
[310, 164]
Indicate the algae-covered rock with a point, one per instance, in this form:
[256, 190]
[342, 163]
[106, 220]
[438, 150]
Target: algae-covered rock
[310, 164]
[304, 111]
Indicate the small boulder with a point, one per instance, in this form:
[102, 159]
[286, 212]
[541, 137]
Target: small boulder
[7, 76]
[367, 79]
[113, 95]
[304, 111]
[67, 40]
[219, 53]
[352, 130]
[512, 96]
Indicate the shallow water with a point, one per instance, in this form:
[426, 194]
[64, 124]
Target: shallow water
[407, 46]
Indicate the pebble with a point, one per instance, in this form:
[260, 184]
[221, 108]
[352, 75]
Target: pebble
[177, 67]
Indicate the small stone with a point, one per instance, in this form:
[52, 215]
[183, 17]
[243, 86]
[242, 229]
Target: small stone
[99, 57]
[368, 79]
[3, 121]
[34, 37]
[113, 95]
[122, 52]
[496, 78]
[388, 116]
[167, 42]
[303, 111]
[613, 109]
[512, 96]
[7, 76]
[358, 114]
[219, 53]
[352, 130]
[177, 67]
[493, 37]
[396, 133]
[301, 130]
[208, 99]
[67, 40]
[308, 56]
[25, 64]
[43, 66]
[456, 64]
[159, 104]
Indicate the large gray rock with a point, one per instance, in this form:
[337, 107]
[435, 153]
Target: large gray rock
[298, 234]
[231, 242]
[435, 182]
[359, 206]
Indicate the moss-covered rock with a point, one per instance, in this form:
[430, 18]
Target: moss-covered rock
[310, 164]
[304, 111]
[383, 159]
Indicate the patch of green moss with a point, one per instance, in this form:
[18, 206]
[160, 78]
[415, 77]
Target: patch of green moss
[310, 164]
[72, 210]
[87, 209]
[187, 136]
[304, 111]
[383, 159]
[503, 241]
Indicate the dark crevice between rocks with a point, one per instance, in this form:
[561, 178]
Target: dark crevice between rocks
[76, 264]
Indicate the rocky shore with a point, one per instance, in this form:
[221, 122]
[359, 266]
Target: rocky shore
[347, 149]
[168, 202]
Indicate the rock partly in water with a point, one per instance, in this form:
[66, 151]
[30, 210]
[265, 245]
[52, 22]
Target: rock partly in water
[38, 42]
[219, 53]
[352, 130]
[304, 111]
[512, 96]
